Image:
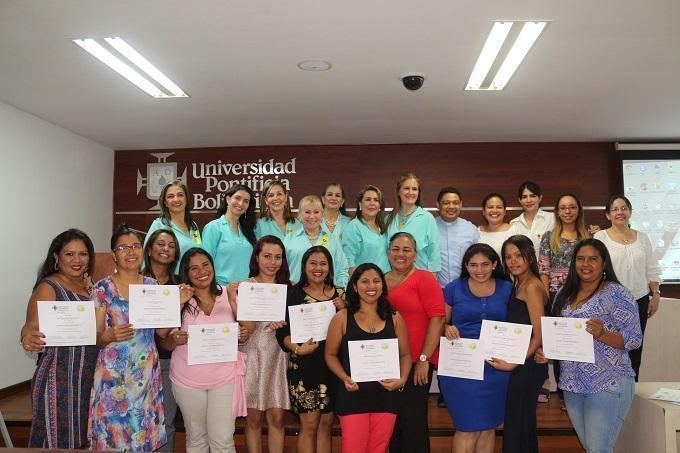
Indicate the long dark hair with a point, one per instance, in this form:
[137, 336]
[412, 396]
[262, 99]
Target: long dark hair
[526, 250]
[248, 219]
[573, 282]
[265, 213]
[485, 249]
[148, 269]
[342, 209]
[49, 265]
[183, 277]
[165, 212]
[352, 296]
[380, 218]
[283, 274]
[304, 281]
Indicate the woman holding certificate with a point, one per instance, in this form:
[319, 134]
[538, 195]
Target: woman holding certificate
[417, 297]
[635, 266]
[276, 218]
[266, 383]
[176, 216]
[525, 307]
[230, 237]
[210, 394]
[598, 395]
[482, 292]
[365, 237]
[61, 385]
[367, 410]
[310, 383]
[126, 407]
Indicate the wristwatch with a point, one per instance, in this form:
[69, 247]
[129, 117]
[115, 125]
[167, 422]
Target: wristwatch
[422, 358]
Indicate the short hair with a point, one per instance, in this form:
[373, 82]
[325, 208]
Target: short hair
[403, 234]
[613, 198]
[448, 189]
[530, 186]
[283, 274]
[307, 199]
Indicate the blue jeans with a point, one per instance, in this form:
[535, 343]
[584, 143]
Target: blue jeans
[597, 417]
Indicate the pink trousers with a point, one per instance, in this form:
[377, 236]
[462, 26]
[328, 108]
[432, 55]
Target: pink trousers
[367, 433]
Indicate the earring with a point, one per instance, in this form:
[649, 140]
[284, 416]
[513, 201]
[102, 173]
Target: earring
[56, 266]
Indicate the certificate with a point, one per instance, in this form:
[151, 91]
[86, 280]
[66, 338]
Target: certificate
[505, 340]
[310, 321]
[567, 339]
[153, 306]
[212, 343]
[67, 323]
[666, 394]
[261, 302]
[462, 358]
[373, 360]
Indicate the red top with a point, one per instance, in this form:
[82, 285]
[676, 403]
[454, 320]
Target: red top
[418, 299]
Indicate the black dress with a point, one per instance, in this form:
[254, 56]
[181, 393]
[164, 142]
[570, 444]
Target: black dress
[311, 385]
[519, 428]
[371, 396]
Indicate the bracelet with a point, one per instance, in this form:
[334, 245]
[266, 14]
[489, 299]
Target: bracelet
[297, 348]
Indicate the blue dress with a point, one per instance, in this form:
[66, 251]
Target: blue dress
[476, 405]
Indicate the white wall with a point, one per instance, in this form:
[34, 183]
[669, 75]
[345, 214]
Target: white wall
[52, 179]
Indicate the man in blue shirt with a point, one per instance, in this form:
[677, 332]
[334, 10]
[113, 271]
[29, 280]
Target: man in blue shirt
[455, 234]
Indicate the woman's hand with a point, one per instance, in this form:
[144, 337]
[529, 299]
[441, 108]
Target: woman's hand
[595, 327]
[308, 347]
[243, 334]
[276, 325]
[420, 373]
[186, 292]
[350, 385]
[500, 364]
[592, 229]
[32, 341]
[232, 292]
[653, 304]
[451, 332]
[539, 357]
[339, 303]
[120, 332]
[179, 337]
[392, 384]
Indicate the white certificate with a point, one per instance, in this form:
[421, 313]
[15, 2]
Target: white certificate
[67, 323]
[462, 358]
[666, 394]
[373, 360]
[505, 340]
[212, 343]
[567, 339]
[154, 306]
[310, 321]
[261, 302]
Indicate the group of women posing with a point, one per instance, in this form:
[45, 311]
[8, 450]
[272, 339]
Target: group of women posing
[109, 396]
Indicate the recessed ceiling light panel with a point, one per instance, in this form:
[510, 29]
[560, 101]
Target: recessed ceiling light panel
[157, 84]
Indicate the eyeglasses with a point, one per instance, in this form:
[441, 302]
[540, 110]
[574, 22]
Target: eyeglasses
[124, 248]
[621, 209]
[568, 208]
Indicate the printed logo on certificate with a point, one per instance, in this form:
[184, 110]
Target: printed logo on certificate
[506, 340]
[310, 321]
[212, 343]
[567, 339]
[261, 302]
[154, 306]
[374, 360]
[67, 323]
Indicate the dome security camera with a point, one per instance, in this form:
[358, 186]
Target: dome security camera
[412, 81]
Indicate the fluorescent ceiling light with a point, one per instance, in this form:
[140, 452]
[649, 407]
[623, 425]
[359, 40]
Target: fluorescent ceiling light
[514, 56]
[492, 46]
[122, 68]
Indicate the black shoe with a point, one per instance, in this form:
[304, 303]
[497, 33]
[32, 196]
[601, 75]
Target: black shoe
[440, 401]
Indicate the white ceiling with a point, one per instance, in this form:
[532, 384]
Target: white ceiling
[603, 70]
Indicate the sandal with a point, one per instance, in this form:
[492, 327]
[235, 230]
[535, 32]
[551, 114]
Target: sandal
[543, 395]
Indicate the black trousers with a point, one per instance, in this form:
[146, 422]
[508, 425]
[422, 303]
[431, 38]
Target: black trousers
[636, 354]
[411, 434]
[519, 427]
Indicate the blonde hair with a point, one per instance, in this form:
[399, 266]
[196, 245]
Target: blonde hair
[581, 229]
[308, 199]
[265, 213]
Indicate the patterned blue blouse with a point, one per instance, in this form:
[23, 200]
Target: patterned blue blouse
[615, 306]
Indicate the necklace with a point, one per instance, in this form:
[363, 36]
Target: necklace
[404, 218]
[328, 222]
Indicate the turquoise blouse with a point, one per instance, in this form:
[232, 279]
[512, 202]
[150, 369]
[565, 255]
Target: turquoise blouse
[185, 240]
[230, 251]
[340, 226]
[297, 243]
[266, 226]
[424, 229]
[362, 244]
